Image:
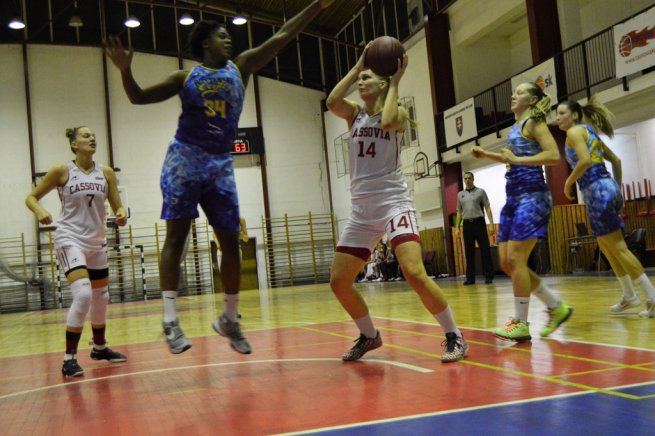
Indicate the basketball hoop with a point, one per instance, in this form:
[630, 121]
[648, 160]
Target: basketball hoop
[422, 170]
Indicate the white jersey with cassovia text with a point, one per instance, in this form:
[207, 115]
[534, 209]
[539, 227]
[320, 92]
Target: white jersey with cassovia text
[82, 217]
[375, 160]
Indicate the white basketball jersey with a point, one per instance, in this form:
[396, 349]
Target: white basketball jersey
[82, 218]
[374, 159]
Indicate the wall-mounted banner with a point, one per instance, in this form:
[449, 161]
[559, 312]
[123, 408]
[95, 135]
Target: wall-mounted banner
[459, 122]
[543, 75]
[634, 44]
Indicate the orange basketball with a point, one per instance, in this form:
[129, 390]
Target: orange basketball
[383, 54]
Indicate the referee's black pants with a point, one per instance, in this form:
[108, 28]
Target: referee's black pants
[475, 230]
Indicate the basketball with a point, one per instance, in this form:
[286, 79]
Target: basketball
[383, 54]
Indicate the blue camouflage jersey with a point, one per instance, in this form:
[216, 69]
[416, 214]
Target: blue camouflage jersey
[529, 203]
[597, 169]
[212, 100]
[523, 178]
[602, 194]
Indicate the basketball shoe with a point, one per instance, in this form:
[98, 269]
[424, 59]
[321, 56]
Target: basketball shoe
[362, 346]
[231, 330]
[515, 330]
[649, 312]
[175, 337]
[556, 317]
[454, 348]
[107, 354]
[625, 303]
[71, 368]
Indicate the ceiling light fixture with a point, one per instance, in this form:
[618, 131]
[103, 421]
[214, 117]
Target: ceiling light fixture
[16, 24]
[75, 21]
[186, 19]
[132, 22]
[239, 18]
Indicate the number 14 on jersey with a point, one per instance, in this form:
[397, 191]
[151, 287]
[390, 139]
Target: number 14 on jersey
[370, 150]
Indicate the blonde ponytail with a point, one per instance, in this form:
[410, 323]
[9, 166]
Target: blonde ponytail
[599, 116]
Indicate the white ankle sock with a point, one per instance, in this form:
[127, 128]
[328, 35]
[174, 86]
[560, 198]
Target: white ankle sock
[366, 327]
[521, 308]
[170, 312]
[447, 321]
[546, 296]
[626, 287]
[646, 285]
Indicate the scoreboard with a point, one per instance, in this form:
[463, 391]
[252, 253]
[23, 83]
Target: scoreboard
[249, 140]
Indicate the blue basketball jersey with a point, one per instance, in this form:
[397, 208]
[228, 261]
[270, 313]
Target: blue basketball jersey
[523, 178]
[212, 101]
[597, 169]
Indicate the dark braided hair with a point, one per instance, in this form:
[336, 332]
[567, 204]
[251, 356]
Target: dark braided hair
[199, 34]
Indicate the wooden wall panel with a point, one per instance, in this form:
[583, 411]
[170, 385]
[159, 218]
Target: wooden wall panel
[434, 239]
[562, 226]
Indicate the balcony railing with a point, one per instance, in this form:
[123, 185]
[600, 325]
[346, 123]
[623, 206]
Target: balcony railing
[581, 70]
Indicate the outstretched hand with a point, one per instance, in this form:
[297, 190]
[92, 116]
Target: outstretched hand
[115, 51]
[477, 152]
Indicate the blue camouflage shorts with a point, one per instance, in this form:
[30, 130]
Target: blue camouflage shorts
[525, 216]
[604, 203]
[191, 176]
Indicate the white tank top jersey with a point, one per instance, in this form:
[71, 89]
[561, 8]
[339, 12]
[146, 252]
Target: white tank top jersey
[82, 217]
[374, 159]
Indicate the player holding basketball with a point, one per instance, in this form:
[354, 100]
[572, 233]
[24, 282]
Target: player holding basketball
[524, 218]
[80, 241]
[198, 166]
[586, 155]
[381, 203]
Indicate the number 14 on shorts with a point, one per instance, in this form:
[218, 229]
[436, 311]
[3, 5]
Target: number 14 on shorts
[402, 224]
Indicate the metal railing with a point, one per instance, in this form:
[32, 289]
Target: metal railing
[581, 70]
[30, 278]
[298, 249]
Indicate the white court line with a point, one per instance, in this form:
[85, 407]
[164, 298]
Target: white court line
[578, 341]
[452, 411]
[208, 365]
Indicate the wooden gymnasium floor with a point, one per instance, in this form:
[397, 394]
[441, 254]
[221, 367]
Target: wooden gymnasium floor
[596, 375]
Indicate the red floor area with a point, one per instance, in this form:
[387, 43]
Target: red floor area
[294, 381]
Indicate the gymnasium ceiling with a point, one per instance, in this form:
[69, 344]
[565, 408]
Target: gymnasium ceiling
[328, 23]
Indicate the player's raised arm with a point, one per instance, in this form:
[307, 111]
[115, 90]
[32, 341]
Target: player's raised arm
[122, 59]
[251, 61]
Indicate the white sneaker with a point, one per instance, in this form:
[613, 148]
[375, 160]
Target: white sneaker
[625, 303]
[649, 312]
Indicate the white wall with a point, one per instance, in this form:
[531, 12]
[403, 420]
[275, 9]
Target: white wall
[293, 129]
[489, 42]
[15, 182]
[521, 51]
[596, 15]
[66, 87]
[141, 134]
[480, 66]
